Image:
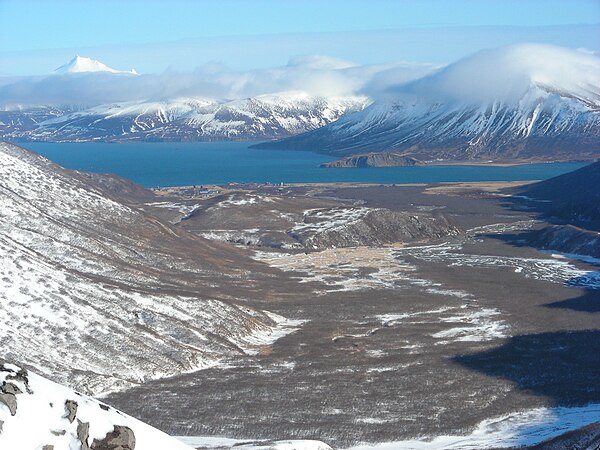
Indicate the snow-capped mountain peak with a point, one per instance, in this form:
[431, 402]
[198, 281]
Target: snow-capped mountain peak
[82, 64]
[521, 102]
[506, 75]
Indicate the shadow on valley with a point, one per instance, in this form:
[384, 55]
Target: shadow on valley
[562, 366]
[571, 198]
[581, 214]
[588, 302]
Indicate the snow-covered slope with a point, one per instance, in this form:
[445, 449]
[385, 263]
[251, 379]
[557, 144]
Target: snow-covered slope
[263, 117]
[36, 413]
[522, 101]
[99, 296]
[81, 64]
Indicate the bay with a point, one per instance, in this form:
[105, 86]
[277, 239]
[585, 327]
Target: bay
[183, 164]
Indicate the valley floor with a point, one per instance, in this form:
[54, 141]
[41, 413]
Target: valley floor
[398, 341]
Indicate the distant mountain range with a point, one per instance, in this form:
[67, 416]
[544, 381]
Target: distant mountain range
[182, 119]
[522, 102]
[80, 116]
[525, 102]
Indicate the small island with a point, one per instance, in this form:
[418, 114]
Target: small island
[382, 159]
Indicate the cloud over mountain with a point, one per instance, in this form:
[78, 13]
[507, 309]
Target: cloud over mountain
[314, 75]
[523, 101]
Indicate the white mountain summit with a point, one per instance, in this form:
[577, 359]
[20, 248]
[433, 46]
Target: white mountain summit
[81, 64]
[523, 101]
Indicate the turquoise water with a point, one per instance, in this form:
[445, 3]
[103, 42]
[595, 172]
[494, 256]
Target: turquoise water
[182, 164]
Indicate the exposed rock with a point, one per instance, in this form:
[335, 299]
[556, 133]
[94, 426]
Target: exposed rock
[48, 447]
[9, 391]
[383, 159]
[21, 376]
[121, 438]
[11, 401]
[71, 409]
[350, 227]
[10, 388]
[83, 433]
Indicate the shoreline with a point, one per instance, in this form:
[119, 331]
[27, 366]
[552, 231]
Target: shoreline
[468, 163]
[252, 145]
[253, 186]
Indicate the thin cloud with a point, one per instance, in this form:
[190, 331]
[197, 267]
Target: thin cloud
[316, 75]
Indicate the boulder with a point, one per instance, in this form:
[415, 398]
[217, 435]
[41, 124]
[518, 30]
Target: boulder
[9, 400]
[83, 433]
[121, 438]
[71, 410]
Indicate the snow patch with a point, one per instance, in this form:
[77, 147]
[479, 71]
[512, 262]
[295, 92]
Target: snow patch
[517, 429]
[41, 418]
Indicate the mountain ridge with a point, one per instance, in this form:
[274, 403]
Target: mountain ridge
[547, 108]
[99, 295]
[255, 118]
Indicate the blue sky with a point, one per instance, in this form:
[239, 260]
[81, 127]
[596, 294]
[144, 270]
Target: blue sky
[37, 36]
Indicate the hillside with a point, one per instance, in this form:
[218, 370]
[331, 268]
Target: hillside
[572, 198]
[102, 296]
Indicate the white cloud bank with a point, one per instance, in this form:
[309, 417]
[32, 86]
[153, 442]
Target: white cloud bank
[316, 75]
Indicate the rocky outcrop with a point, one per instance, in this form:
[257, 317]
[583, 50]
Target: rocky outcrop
[83, 433]
[71, 409]
[352, 227]
[383, 159]
[10, 400]
[53, 417]
[121, 438]
[10, 390]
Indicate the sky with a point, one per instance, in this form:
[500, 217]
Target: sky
[177, 35]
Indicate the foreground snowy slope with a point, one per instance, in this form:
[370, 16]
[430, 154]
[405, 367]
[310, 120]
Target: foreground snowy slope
[524, 101]
[100, 296]
[36, 413]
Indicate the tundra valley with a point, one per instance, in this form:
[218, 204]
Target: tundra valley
[313, 256]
